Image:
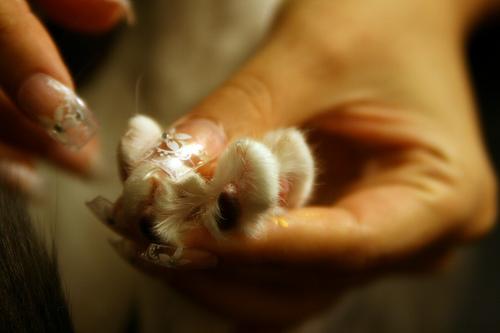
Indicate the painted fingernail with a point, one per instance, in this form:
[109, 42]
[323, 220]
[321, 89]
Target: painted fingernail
[164, 255]
[58, 109]
[205, 132]
[178, 257]
[104, 211]
[187, 147]
[127, 8]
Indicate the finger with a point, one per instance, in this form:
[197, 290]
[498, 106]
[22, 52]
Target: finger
[200, 139]
[284, 84]
[332, 236]
[253, 101]
[25, 136]
[404, 211]
[88, 15]
[36, 80]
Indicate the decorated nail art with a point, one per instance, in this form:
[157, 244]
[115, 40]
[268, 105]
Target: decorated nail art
[177, 154]
[72, 123]
[57, 108]
[164, 255]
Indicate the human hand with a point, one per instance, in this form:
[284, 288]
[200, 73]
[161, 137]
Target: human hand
[403, 173]
[40, 115]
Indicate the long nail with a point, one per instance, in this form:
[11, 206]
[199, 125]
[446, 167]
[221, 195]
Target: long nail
[57, 108]
[165, 255]
[188, 146]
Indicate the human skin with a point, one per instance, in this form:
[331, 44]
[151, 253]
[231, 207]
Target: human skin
[404, 179]
[26, 49]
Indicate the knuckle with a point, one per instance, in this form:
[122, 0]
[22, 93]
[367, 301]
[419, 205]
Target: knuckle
[255, 97]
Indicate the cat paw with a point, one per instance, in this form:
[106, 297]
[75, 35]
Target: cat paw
[165, 196]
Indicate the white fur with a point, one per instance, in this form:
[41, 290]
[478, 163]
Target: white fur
[142, 134]
[253, 169]
[296, 163]
[177, 205]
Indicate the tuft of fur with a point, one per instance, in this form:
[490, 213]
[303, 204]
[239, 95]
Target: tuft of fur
[142, 134]
[178, 205]
[31, 294]
[296, 163]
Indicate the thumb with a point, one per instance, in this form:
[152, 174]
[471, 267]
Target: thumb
[277, 87]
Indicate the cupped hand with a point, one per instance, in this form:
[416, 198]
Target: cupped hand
[383, 89]
[40, 115]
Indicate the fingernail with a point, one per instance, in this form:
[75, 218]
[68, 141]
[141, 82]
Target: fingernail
[127, 8]
[164, 255]
[188, 146]
[206, 132]
[58, 109]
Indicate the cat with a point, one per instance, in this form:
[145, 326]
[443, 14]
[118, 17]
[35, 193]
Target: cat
[253, 180]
